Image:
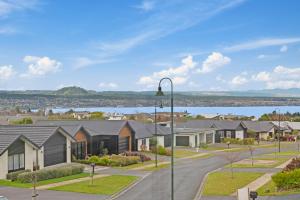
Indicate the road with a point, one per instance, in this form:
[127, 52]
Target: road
[188, 177]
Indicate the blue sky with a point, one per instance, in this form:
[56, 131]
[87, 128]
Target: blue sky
[131, 44]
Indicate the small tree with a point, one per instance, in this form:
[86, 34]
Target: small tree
[231, 157]
[251, 150]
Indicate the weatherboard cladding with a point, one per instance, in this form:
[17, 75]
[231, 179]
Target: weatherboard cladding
[6, 140]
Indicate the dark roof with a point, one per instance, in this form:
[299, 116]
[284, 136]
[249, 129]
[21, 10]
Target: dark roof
[227, 124]
[6, 140]
[258, 126]
[196, 124]
[94, 127]
[36, 134]
[145, 130]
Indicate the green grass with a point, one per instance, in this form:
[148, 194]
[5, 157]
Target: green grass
[136, 165]
[106, 186]
[153, 168]
[269, 189]
[40, 183]
[277, 163]
[221, 183]
[182, 153]
[285, 153]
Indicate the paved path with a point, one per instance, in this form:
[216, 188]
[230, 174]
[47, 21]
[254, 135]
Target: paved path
[45, 187]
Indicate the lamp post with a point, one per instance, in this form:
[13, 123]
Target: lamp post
[279, 149]
[160, 93]
[155, 130]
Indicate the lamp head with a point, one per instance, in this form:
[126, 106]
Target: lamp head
[161, 105]
[159, 92]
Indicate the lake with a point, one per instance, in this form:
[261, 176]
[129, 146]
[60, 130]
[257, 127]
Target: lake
[256, 111]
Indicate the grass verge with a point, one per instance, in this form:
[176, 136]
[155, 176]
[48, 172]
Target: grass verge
[40, 183]
[153, 168]
[106, 186]
[222, 184]
[269, 189]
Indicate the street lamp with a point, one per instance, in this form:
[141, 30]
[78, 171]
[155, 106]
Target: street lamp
[278, 128]
[155, 130]
[160, 93]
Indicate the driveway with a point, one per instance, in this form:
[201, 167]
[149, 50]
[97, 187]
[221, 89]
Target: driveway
[25, 194]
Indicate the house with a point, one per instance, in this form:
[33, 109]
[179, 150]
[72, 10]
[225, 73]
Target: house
[145, 132]
[94, 136]
[194, 132]
[81, 115]
[222, 129]
[285, 127]
[21, 147]
[263, 129]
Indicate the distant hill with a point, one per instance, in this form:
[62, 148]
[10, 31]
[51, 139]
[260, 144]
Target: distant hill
[72, 91]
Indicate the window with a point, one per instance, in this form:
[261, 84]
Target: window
[16, 162]
[143, 141]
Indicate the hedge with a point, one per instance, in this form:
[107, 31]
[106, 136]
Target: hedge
[113, 160]
[161, 151]
[50, 173]
[287, 180]
[14, 175]
[246, 141]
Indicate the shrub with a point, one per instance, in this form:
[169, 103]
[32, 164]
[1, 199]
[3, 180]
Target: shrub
[294, 164]
[143, 157]
[246, 141]
[14, 175]
[94, 159]
[287, 180]
[117, 160]
[50, 173]
[203, 145]
[161, 151]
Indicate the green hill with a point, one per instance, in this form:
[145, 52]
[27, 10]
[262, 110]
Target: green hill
[72, 91]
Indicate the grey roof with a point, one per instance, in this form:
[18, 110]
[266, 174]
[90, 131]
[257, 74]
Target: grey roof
[258, 126]
[94, 127]
[145, 130]
[227, 124]
[196, 124]
[36, 135]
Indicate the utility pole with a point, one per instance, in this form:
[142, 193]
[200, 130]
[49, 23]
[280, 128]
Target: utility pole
[35, 168]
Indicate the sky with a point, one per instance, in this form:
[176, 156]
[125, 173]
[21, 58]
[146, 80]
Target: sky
[129, 45]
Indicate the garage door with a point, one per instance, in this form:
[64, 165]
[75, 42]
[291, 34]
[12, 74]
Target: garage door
[123, 144]
[182, 141]
[209, 138]
[55, 150]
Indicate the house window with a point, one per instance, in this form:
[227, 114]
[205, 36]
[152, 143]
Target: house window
[228, 134]
[143, 141]
[16, 162]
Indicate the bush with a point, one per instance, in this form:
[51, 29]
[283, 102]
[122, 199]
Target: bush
[294, 164]
[287, 180]
[203, 145]
[246, 141]
[94, 159]
[143, 157]
[14, 175]
[50, 173]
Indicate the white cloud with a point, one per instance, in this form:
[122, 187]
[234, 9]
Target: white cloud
[179, 74]
[39, 66]
[262, 76]
[214, 61]
[284, 48]
[146, 5]
[6, 72]
[104, 85]
[239, 80]
[280, 77]
[7, 30]
[9, 6]
[262, 43]
[261, 56]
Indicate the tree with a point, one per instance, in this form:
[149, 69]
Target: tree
[97, 115]
[26, 120]
[231, 157]
[264, 117]
[251, 150]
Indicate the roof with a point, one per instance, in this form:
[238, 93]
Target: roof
[6, 141]
[36, 134]
[145, 130]
[93, 127]
[227, 124]
[294, 125]
[258, 126]
[196, 124]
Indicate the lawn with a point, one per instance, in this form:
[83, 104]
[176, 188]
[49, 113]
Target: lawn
[141, 164]
[182, 153]
[277, 163]
[285, 153]
[40, 183]
[221, 183]
[153, 168]
[269, 189]
[106, 186]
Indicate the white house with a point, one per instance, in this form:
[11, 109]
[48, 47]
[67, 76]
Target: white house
[21, 147]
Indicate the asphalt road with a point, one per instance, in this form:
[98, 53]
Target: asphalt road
[188, 177]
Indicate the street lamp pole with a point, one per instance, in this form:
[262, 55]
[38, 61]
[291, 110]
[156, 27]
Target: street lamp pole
[160, 93]
[155, 130]
[279, 131]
